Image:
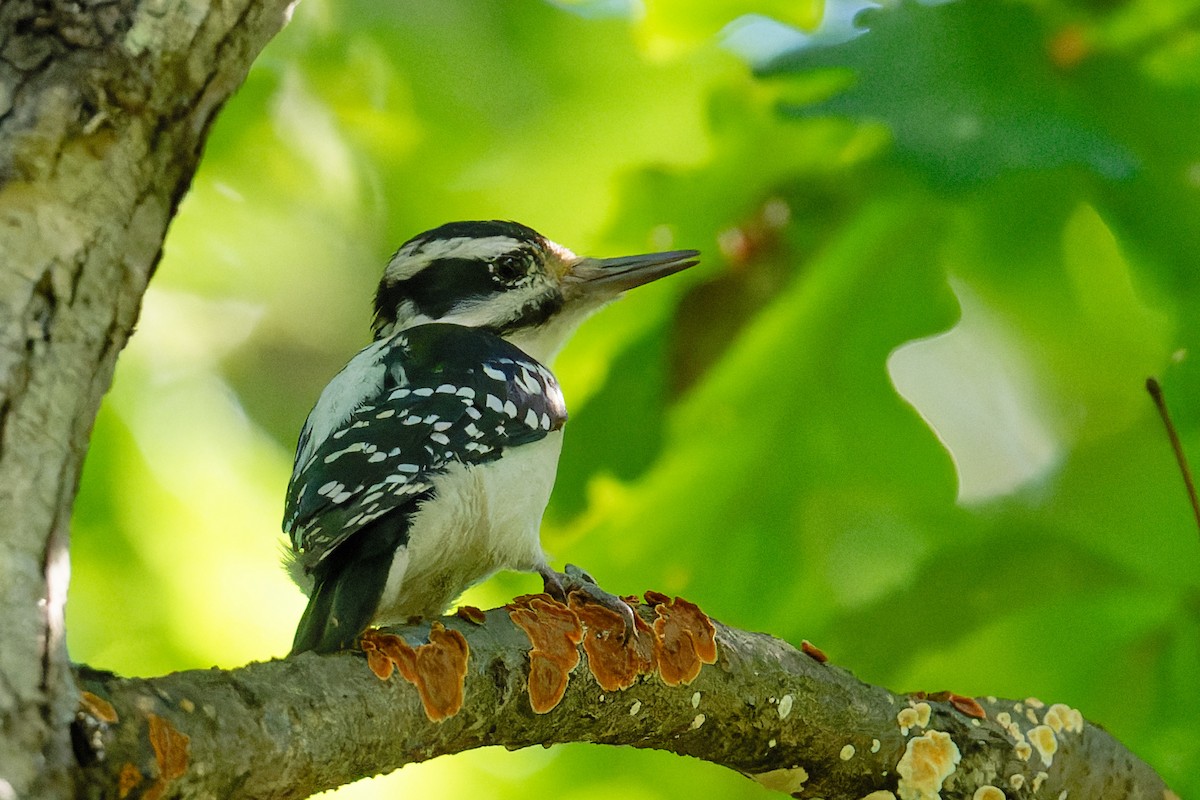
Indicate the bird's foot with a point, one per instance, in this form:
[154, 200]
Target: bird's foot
[573, 580]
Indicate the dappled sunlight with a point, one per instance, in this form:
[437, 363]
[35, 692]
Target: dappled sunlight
[977, 387]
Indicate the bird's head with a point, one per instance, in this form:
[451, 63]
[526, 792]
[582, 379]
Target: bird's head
[509, 279]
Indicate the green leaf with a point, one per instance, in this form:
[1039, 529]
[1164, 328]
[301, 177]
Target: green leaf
[968, 91]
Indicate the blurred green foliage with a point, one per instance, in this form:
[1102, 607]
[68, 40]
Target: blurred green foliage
[898, 410]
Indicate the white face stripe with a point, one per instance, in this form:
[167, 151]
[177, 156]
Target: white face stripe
[498, 308]
[414, 257]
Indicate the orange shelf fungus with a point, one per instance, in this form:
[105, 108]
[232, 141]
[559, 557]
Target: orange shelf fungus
[438, 669]
[373, 643]
[679, 643]
[812, 651]
[687, 640]
[442, 672]
[555, 633]
[967, 705]
[471, 614]
[97, 707]
[654, 598]
[614, 662]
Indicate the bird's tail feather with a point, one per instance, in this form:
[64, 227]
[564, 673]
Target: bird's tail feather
[346, 592]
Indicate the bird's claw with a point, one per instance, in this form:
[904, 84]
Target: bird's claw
[560, 585]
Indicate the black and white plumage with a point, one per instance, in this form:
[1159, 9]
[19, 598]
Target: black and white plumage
[427, 462]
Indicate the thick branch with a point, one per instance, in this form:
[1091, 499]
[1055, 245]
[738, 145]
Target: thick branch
[285, 729]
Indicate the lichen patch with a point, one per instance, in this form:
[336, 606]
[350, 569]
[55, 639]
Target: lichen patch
[789, 779]
[1045, 742]
[170, 753]
[785, 706]
[915, 716]
[1061, 717]
[129, 779]
[1038, 780]
[927, 762]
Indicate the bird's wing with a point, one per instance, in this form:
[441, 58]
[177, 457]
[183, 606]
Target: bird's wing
[446, 394]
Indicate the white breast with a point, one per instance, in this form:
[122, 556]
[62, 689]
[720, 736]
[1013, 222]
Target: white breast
[484, 518]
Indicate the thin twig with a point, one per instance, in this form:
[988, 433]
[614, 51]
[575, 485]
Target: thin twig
[1156, 393]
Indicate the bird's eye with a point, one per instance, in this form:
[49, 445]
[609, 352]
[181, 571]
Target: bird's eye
[508, 268]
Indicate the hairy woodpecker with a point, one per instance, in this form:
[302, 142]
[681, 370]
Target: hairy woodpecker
[427, 462]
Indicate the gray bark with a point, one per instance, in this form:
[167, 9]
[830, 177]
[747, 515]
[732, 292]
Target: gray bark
[104, 108]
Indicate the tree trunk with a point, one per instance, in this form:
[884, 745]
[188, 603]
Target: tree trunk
[104, 109]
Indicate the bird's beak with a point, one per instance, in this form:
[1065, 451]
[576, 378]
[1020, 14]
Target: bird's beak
[611, 276]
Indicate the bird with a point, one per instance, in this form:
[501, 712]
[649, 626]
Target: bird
[426, 464]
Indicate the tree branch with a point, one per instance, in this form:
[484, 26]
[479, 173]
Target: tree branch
[285, 729]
